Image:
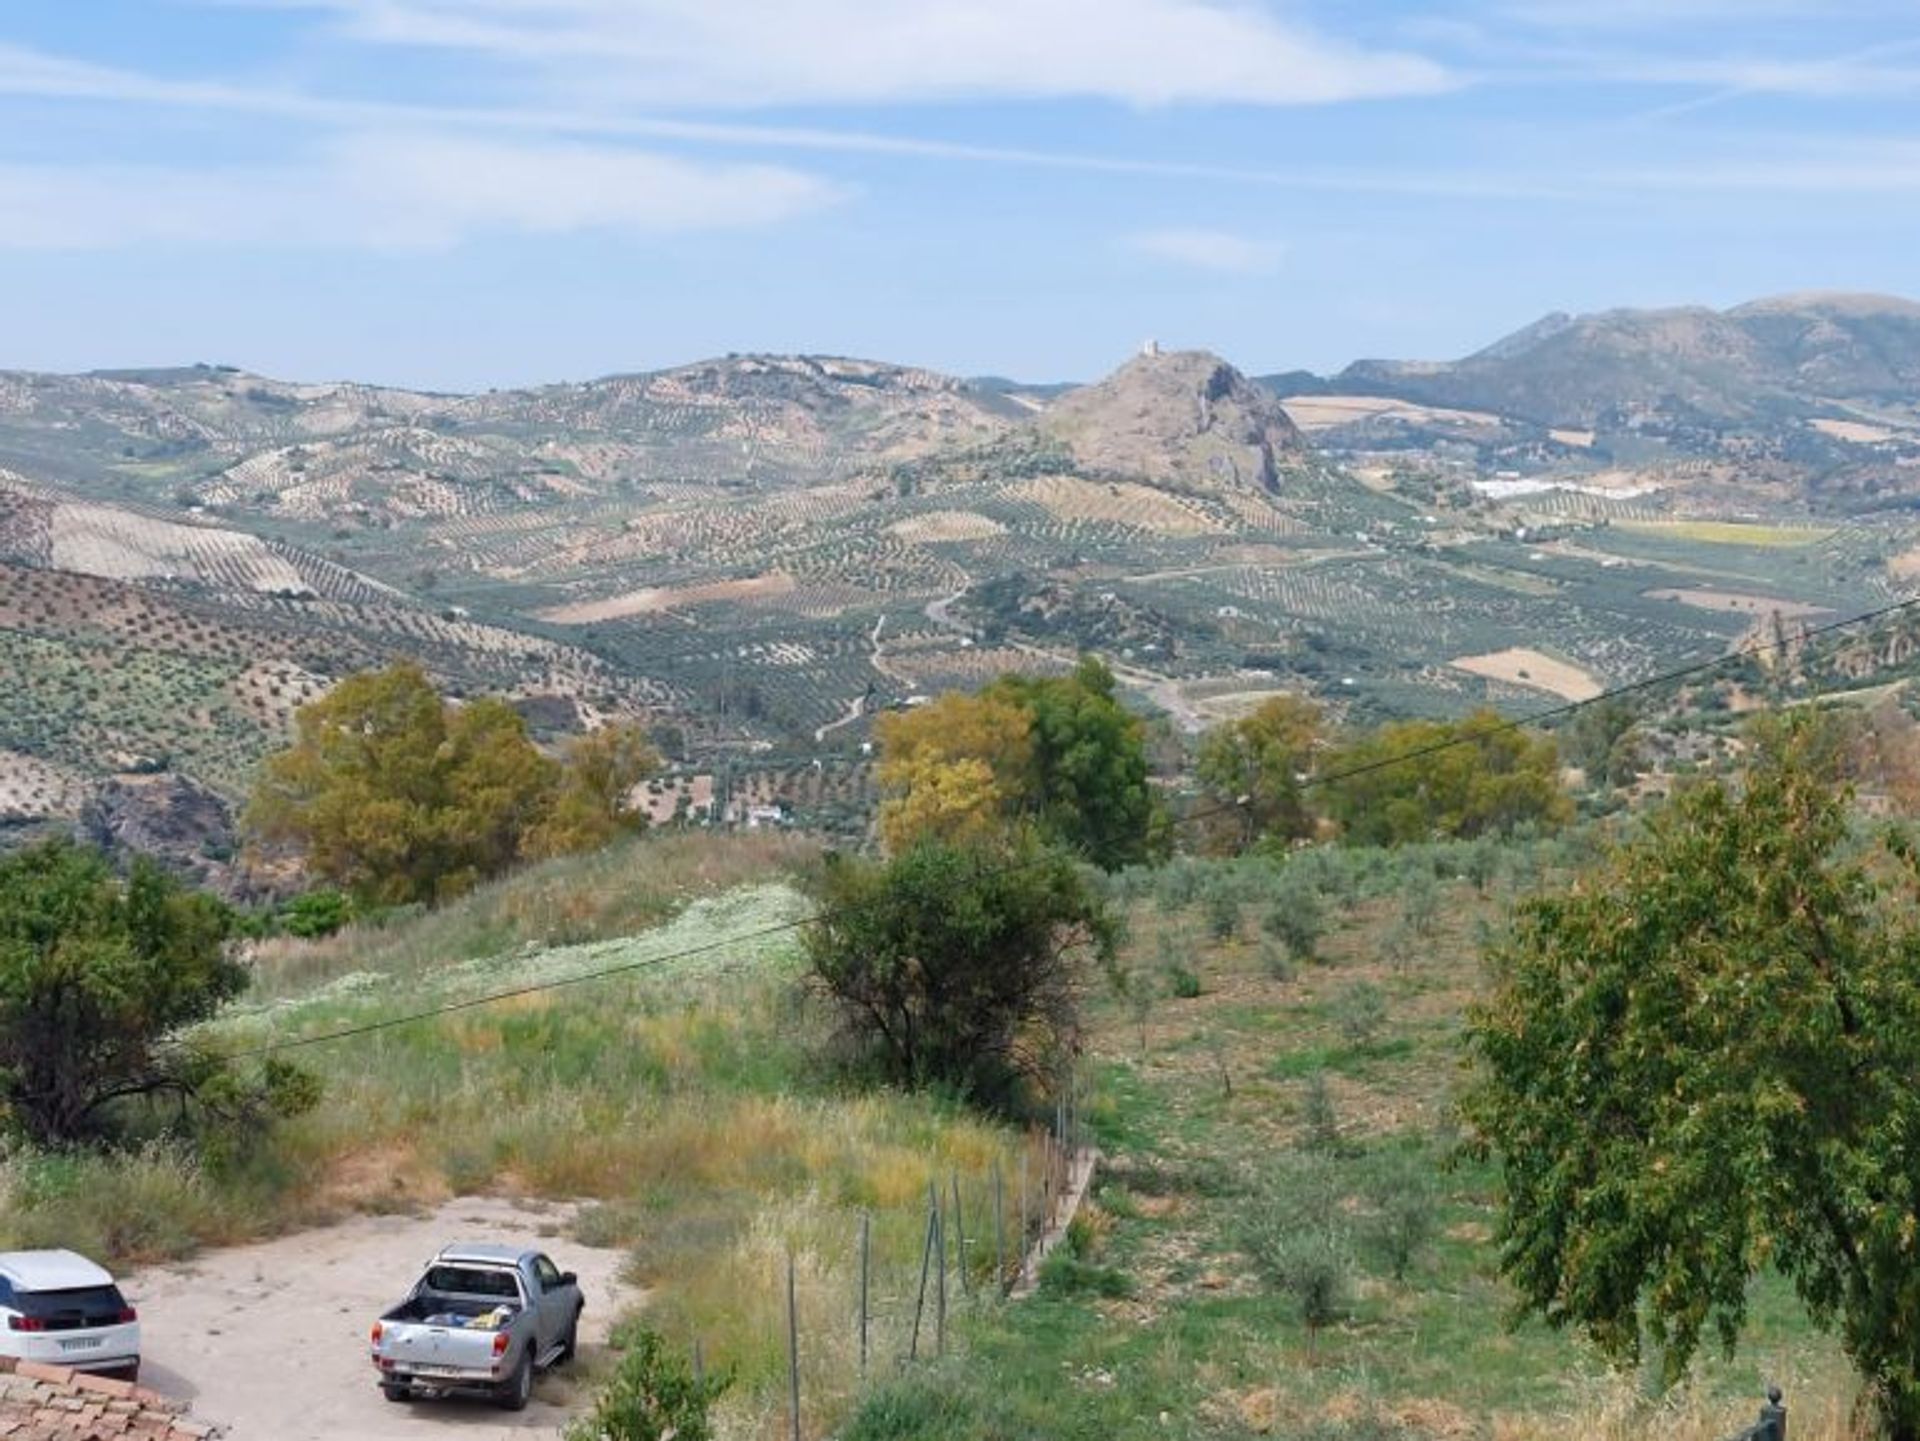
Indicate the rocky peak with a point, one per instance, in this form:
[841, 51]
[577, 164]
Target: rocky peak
[1182, 417]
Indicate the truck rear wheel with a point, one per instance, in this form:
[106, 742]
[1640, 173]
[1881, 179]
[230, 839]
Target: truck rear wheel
[519, 1389]
[396, 1391]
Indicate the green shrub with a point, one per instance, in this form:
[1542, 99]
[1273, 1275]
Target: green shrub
[1319, 1118]
[1297, 920]
[316, 914]
[654, 1394]
[1063, 1274]
[1406, 1212]
[1223, 913]
[1183, 982]
[1361, 1012]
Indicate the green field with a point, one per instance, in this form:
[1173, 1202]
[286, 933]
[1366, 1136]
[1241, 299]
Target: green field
[1202, 1114]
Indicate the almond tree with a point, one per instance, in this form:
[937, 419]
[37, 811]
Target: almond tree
[1699, 1064]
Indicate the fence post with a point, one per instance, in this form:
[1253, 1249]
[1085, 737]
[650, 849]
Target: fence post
[699, 1364]
[1025, 1151]
[866, 1257]
[960, 1237]
[793, 1349]
[920, 1302]
[939, 1276]
[999, 1231]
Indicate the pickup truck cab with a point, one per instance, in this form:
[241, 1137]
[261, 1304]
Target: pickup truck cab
[481, 1318]
[59, 1308]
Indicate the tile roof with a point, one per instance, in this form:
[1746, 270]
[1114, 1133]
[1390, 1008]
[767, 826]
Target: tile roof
[51, 1403]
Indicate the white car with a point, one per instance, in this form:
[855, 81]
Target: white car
[61, 1309]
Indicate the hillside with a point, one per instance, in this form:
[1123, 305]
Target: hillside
[756, 554]
[1790, 356]
[1178, 418]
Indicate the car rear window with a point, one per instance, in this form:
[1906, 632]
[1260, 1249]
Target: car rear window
[71, 1310]
[472, 1281]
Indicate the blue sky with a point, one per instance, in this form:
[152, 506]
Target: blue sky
[473, 193]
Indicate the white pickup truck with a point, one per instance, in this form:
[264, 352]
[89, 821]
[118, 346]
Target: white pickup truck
[482, 1318]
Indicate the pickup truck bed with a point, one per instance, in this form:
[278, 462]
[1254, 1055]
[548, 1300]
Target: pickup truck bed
[482, 1318]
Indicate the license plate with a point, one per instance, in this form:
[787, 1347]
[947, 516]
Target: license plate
[82, 1343]
[438, 1371]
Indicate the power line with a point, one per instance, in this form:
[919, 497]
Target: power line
[1552, 713]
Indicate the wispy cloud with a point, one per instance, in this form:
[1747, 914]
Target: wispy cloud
[757, 53]
[1220, 251]
[397, 191]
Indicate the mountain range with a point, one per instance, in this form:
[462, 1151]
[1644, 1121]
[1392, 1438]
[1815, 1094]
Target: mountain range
[753, 553]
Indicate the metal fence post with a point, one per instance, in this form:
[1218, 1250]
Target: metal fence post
[999, 1231]
[920, 1302]
[939, 1278]
[793, 1349]
[866, 1269]
[960, 1237]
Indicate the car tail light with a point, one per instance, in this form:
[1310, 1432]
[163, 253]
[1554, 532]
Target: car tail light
[378, 1330]
[25, 1323]
[128, 1315]
[500, 1339]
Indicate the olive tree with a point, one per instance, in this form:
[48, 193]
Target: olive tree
[1698, 1064]
[960, 965]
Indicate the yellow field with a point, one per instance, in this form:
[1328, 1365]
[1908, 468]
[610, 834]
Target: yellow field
[658, 598]
[1728, 532]
[1519, 666]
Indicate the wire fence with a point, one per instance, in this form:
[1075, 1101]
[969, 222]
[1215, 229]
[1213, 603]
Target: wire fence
[979, 1238]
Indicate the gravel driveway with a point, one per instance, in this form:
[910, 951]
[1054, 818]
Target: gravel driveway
[270, 1340]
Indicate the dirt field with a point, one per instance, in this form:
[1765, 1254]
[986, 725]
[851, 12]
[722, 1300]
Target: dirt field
[1531, 668]
[270, 1340]
[659, 598]
[1323, 412]
[947, 525]
[1855, 432]
[1738, 604]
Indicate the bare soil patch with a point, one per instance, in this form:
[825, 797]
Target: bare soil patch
[947, 525]
[654, 599]
[270, 1340]
[1735, 602]
[1323, 412]
[1854, 432]
[1520, 666]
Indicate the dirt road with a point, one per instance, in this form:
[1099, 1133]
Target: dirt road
[270, 1340]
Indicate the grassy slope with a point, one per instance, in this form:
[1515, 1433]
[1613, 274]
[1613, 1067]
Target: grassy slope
[684, 1102]
[1199, 1109]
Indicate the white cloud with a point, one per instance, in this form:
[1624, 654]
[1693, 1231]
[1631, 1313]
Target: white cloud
[397, 191]
[748, 53]
[1216, 250]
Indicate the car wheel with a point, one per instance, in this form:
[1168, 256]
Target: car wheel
[396, 1393]
[570, 1343]
[519, 1389]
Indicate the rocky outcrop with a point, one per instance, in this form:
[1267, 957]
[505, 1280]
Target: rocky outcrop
[1185, 419]
[173, 819]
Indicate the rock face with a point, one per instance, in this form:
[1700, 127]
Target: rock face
[1180, 418]
[181, 824]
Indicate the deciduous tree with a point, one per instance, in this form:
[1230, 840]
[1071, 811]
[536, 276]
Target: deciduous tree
[1255, 763]
[1426, 780]
[1698, 1064]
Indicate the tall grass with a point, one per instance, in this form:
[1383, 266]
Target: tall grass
[615, 892]
[686, 1108]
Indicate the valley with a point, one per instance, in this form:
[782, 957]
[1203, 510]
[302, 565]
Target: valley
[754, 555]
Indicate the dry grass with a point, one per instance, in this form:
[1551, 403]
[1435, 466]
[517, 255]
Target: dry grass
[1723, 532]
[1519, 666]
